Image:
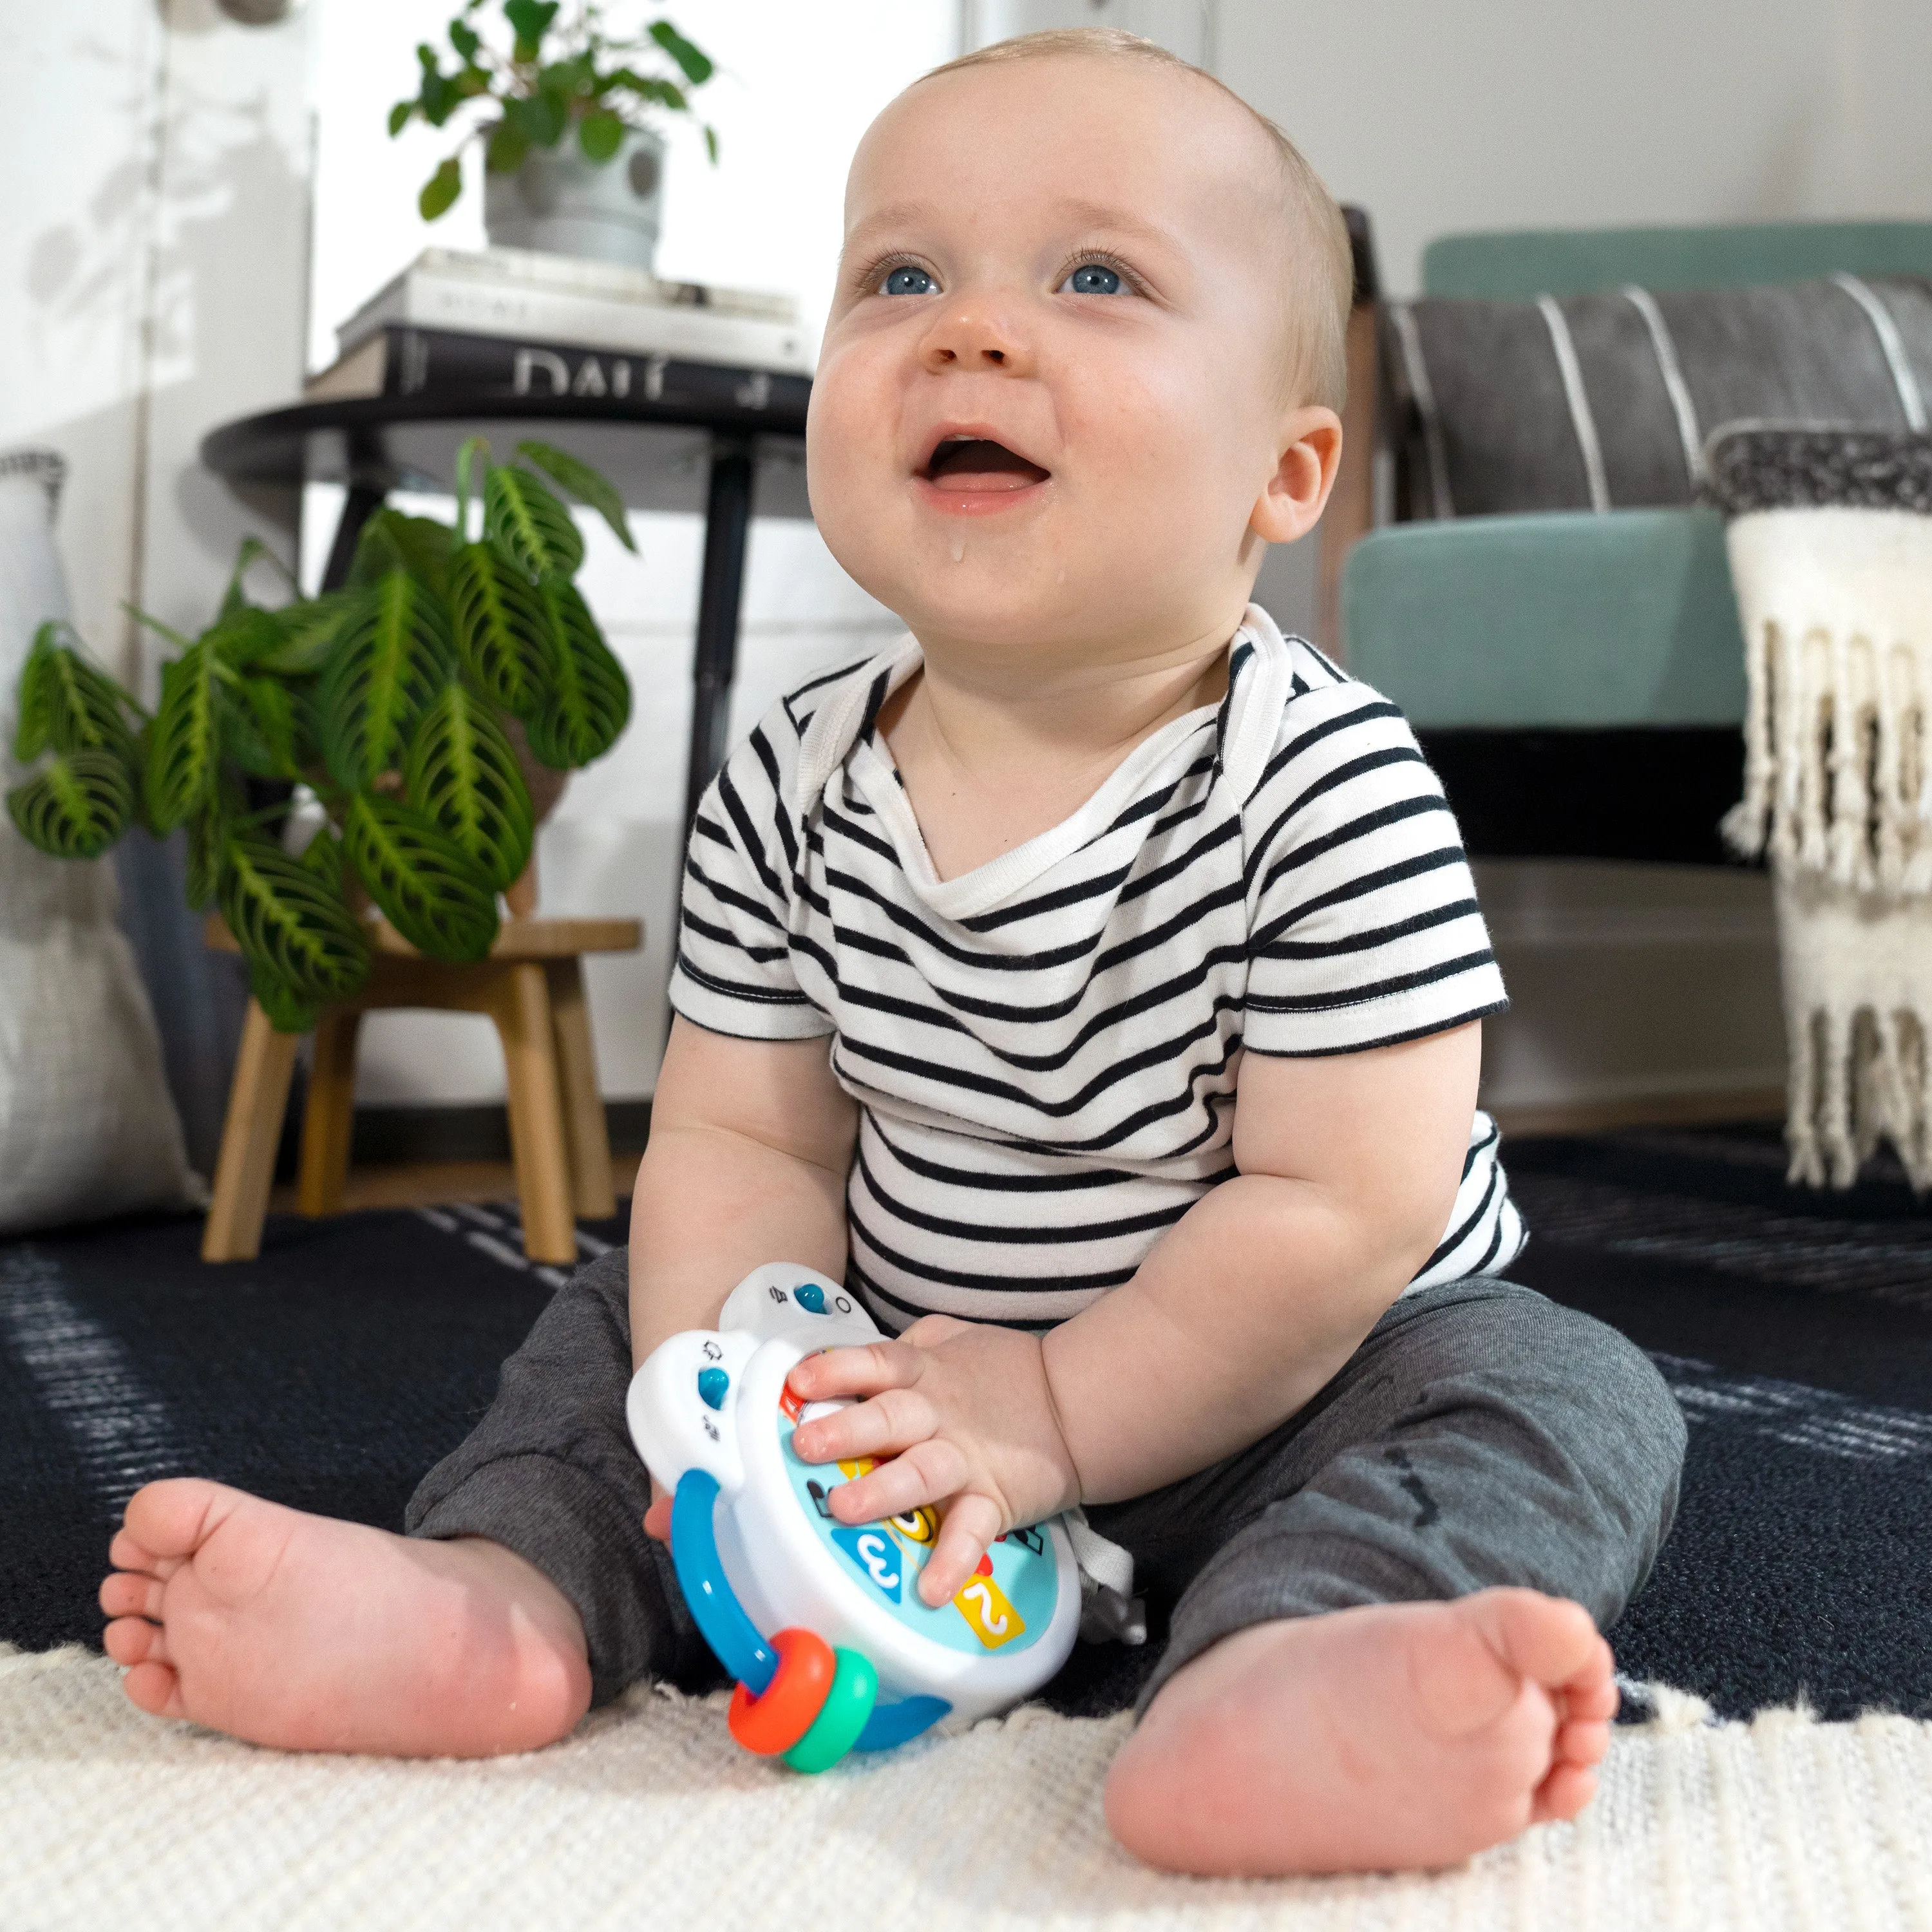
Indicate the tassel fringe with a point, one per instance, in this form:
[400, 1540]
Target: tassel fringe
[1837, 608]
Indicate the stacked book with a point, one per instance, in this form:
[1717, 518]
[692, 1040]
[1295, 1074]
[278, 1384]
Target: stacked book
[514, 321]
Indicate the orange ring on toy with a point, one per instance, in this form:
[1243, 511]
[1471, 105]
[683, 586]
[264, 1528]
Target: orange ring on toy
[771, 1724]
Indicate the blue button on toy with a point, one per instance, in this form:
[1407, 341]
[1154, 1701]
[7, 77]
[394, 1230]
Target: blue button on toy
[713, 1385]
[810, 1298]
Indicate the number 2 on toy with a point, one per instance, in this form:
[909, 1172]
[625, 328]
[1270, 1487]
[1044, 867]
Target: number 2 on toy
[994, 1620]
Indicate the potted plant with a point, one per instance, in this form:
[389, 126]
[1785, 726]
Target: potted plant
[572, 163]
[406, 703]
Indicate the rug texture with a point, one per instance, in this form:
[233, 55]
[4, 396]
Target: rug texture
[649, 1815]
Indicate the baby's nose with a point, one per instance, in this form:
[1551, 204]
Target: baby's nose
[974, 336]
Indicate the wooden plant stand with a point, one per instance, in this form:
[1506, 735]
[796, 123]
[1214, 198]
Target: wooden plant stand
[531, 985]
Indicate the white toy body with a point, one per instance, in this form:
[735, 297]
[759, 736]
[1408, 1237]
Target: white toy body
[716, 1401]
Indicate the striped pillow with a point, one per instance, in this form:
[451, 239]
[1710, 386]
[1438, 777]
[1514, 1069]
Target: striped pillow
[1605, 401]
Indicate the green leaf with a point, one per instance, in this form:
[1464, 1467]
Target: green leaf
[462, 774]
[185, 758]
[261, 728]
[439, 192]
[697, 64]
[520, 514]
[206, 834]
[588, 485]
[323, 856]
[541, 118]
[434, 893]
[66, 702]
[286, 1009]
[711, 142]
[77, 806]
[399, 117]
[234, 598]
[600, 135]
[465, 39]
[649, 87]
[393, 657]
[507, 147]
[390, 541]
[530, 18]
[243, 641]
[502, 633]
[588, 702]
[293, 930]
[308, 632]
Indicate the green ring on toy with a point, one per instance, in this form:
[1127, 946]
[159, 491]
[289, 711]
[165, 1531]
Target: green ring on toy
[735, 1639]
[842, 1717]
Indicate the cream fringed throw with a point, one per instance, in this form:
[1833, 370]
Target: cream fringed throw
[1836, 607]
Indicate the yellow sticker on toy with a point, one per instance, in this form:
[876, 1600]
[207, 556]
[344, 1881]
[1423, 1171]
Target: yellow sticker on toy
[983, 1604]
[863, 1466]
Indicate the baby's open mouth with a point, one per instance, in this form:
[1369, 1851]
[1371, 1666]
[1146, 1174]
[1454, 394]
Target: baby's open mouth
[973, 463]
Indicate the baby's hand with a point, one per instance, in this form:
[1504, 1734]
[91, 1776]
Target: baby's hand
[964, 1410]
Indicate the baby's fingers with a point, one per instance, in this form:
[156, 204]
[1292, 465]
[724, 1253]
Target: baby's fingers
[926, 1473]
[966, 1532]
[869, 1370]
[885, 1426]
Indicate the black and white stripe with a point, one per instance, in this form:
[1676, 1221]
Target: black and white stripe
[1046, 1050]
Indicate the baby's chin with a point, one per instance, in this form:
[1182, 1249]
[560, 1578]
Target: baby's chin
[995, 608]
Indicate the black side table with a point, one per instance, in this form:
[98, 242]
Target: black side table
[694, 436]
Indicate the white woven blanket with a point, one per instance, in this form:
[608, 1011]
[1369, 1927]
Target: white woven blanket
[649, 1816]
[1837, 608]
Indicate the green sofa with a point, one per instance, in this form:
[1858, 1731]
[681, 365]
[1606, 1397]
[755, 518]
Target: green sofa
[1578, 678]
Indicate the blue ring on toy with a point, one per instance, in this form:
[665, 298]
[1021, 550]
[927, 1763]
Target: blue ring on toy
[732, 1635]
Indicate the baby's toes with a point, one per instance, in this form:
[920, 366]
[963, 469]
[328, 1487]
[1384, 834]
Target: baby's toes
[153, 1687]
[129, 1552]
[1583, 1741]
[1564, 1793]
[128, 1594]
[132, 1640]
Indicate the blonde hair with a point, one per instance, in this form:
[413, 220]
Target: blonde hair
[1322, 277]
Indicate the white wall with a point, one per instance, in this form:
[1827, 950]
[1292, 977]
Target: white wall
[1525, 113]
[153, 271]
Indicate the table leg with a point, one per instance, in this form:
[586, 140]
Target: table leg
[584, 1126]
[329, 1122]
[728, 518]
[257, 1102]
[362, 502]
[521, 1006]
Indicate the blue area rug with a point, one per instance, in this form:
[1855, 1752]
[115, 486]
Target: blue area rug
[1795, 1328]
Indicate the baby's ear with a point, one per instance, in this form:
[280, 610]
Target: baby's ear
[1304, 473]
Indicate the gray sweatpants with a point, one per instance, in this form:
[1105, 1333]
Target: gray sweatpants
[1481, 1434]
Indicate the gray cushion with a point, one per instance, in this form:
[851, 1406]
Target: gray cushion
[1490, 420]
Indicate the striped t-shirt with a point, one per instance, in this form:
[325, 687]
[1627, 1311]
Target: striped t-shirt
[1044, 1050]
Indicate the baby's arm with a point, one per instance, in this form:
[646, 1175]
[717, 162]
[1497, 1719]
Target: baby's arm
[751, 1140]
[1348, 1166]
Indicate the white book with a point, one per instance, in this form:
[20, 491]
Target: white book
[522, 293]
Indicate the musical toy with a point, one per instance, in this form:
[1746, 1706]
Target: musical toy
[855, 1658]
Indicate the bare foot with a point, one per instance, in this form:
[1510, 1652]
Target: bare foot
[310, 1634]
[1391, 1737]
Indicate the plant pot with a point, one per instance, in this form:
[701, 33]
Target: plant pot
[563, 204]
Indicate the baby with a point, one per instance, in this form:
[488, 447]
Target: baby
[1094, 981]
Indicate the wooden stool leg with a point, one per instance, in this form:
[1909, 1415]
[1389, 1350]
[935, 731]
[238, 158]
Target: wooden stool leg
[256, 1102]
[585, 1131]
[521, 1006]
[329, 1121]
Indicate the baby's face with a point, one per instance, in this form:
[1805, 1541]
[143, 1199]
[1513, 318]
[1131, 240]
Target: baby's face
[1050, 396]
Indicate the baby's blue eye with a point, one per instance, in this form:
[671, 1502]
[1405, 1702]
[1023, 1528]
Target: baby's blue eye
[1093, 278]
[907, 281]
